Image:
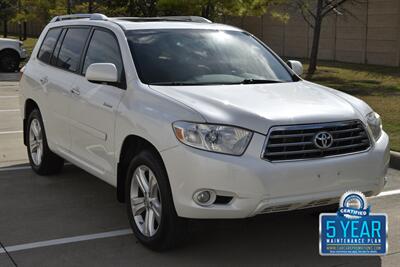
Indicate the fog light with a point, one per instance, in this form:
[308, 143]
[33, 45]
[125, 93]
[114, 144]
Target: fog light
[204, 197]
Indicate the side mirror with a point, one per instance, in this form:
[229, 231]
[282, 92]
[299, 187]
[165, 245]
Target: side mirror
[296, 66]
[102, 72]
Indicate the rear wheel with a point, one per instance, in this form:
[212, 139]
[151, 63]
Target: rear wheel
[149, 203]
[42, 160]
[9, 61]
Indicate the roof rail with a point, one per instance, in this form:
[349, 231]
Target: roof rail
[94, 16]
[165, 18]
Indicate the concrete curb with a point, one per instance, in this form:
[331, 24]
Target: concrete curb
[395, 160]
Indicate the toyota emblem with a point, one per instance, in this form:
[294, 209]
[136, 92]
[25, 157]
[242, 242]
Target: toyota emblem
[323, 140]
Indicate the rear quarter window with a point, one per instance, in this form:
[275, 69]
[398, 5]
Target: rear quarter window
[48, 44]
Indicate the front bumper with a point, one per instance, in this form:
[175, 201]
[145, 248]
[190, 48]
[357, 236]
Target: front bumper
[258, 186]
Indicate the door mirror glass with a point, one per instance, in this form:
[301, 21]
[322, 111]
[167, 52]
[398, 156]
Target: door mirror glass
[102, 72]
[296, 66]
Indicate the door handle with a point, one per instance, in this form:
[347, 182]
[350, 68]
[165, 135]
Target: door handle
[107, 105]
[75, 91]
[44, 80]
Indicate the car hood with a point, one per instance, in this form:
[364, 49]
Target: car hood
[7, 40]
[260, 106]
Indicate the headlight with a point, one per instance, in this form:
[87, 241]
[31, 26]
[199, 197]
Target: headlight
[215, 138]
[375, 124]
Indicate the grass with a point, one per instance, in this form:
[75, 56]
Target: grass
[377, 85]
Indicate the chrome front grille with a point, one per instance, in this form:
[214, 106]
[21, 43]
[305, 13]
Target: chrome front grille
[298, 141]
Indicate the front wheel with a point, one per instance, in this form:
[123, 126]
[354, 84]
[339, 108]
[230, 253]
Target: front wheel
[42, 160]
[149, 203]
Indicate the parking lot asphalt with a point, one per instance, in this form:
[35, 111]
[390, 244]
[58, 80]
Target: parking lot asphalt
[74, 219]
[10, 76]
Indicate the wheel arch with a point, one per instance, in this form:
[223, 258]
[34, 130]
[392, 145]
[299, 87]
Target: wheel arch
[131, 146]
[29, 106]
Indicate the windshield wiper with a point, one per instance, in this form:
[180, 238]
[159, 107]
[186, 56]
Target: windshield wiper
[255, 81]
[193, 83]
[173, 83]
[245, 81]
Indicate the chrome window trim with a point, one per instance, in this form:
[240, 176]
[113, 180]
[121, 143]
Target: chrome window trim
[314, 126]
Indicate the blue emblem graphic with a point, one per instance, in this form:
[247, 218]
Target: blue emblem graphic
[353, 205]
[353, 230]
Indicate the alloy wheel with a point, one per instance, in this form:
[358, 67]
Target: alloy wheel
[145, 201]
[36, 142]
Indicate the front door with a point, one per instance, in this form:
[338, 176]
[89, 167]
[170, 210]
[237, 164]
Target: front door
[94, 109]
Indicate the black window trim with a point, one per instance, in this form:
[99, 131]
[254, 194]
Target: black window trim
[121, 84]
[59, 40]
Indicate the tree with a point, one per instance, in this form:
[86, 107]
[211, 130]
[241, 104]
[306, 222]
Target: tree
[215, 9]
[7, 10]
[314, 12]
[35, 10]
[69, 7]
[90, 6]
[41, 11]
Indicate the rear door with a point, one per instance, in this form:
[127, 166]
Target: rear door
[55, 85]
[60, 76]
[94, 111]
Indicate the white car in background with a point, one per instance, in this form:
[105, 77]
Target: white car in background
[12, 52]
[192, 119]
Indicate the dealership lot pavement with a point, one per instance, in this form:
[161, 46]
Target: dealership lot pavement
[74, 219]
[13, 76]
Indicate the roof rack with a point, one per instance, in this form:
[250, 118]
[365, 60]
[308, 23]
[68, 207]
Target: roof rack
[97, 16]
[94, 16]
[166, 18]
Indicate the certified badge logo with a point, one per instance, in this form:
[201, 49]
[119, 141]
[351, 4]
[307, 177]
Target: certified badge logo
[353, 205]
[353, 230]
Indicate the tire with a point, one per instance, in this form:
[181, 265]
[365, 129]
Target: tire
[9, 61]
[42, 160]
[168, 231]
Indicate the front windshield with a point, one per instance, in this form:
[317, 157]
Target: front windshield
[202, 57]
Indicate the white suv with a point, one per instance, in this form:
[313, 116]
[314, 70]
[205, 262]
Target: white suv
[191, 119]
[12, 52]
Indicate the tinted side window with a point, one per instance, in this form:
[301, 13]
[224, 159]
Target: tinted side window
[72, 48]
[53, 60]
[103, 48]
[48, 45]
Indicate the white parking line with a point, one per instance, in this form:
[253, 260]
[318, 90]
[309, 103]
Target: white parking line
[10, 132]
[9, 110]
[80, 238]
[66, 240]
[388, 193]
